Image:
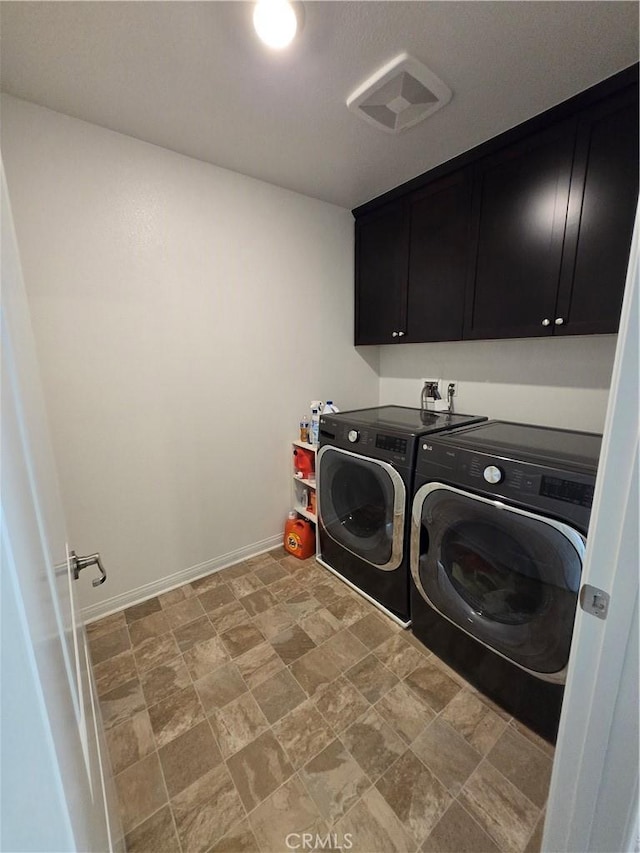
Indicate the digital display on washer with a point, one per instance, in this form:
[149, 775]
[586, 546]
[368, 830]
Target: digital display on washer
[392, 443]
[567, 490]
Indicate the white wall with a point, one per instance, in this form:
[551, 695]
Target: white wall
[562, 382]
[185, 316]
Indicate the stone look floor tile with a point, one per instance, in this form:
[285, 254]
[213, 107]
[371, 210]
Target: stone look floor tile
[524, 765]
[500, 808]
[184, 612]
[130, 741]
[302, 605]
[415, 795]
[348, 610]
[258, 601]
[194, 632]
[432, 685]
[220, 687]
[245, 585]
[141, 791]
[259, 769]
[238, 723]
[320, 625]
[161, 682]
[240, 639]
[474, 720]
[535, 739]
[217, 597]
[175, 596]
[315, 670]
[228, 617]
[457, 832]
[289, 810]
[285, 588]
[121, 703]
[108, 645]
[208, 582]
[373, 744]
[150, 626]
[278, 695]
[398, 655]
[173, 716]
[240, 839]
[446, 754]
[273, 621]
[371, 678]
[405, 712]
[374, 826]
[155, 651]
[340, 703]
[371, 630]
[535, 842]
[259, 561]
[138, 611]
[303, 733]
[259, 664]
[345, 649]
[203, 658]
[188, 757]
[238, 570]
[270, 573]
[105, 625]
[114, 671]
[292, 643]
[334, 780]
[157, 833]
[206, 810]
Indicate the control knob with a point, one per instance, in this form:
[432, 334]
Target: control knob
[353, 435]
[493, 474]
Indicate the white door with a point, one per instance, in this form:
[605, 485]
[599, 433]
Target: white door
[54, 778]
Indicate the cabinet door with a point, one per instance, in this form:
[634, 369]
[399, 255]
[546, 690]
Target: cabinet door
[439, 219]
[381, 275]
[520, 210]
[602, 208]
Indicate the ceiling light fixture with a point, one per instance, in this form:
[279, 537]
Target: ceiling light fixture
[276, 22]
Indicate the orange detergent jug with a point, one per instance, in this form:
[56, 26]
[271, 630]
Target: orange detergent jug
[299, 538]
[304, 461]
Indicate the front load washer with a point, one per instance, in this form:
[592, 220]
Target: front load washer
[498, 533]
[365, 476]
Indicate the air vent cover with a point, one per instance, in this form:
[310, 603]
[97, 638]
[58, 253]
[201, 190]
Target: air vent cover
[399, 95]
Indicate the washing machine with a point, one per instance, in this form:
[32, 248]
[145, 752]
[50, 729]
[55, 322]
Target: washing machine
[498, 532]
[365, 471]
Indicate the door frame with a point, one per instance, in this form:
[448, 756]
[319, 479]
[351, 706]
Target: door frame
[593, 798]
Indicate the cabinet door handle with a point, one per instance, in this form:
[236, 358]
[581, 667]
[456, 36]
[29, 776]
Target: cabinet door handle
[394, 334]
[546, 322]
[400, 334]
[559, 321]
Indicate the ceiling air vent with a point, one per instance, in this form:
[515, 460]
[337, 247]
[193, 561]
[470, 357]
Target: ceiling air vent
[399, 95]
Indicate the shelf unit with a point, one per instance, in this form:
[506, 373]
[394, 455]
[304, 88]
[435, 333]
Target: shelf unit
[299, 484]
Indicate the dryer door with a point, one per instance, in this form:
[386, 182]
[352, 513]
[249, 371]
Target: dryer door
[361, 506]
[505, 576]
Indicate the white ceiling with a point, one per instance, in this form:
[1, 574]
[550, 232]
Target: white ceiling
[192, 77]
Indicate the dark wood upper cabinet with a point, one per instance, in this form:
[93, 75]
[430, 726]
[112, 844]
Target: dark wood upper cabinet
[527, 235]
[602, 206]
[520, 200]
[439, 220]
[381, 275]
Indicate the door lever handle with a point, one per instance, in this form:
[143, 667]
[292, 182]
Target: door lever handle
[80, 563]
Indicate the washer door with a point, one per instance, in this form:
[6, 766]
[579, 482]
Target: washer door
[361, 506]
[506, 577]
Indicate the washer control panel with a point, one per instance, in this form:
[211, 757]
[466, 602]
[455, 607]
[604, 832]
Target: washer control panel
[493, 474]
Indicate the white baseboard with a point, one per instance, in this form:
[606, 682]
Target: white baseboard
[169, 582]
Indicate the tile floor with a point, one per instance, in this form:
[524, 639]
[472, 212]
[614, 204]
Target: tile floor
[268, 699]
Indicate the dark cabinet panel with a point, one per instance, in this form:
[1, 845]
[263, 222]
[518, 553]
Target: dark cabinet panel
[381, 275]
[602, 205]
[439, 218]
[519, 214]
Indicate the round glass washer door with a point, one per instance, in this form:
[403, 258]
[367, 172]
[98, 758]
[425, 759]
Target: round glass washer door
[505, 576]
[361, 506]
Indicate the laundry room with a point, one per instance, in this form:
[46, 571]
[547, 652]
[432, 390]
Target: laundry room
[421, 212]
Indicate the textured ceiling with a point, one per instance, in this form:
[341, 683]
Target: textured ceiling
[193, 78]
